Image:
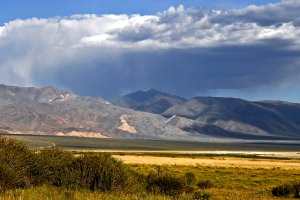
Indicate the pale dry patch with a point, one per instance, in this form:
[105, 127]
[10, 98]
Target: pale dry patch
[25, 133]
[212, 162]
[68, 134]
[125, 125]
[82, 134]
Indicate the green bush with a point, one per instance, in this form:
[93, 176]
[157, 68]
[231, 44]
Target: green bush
[21, 167]
[205, 184]
[287, 190]
[282, 190]
[17, 160]
[168, 183]
[8, 177]
[54, 165]
[98, 173]
[296, 187]
[190, 178]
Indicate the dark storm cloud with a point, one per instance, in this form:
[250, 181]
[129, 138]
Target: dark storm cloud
[181, 51]
[184, 71]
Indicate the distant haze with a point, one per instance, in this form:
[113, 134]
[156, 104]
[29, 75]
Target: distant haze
[251, 52]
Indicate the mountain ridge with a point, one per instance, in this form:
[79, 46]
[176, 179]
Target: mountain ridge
[53, 111]
[235, 116]
[152, 100]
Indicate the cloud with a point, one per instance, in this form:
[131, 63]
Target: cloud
[271, 14]
[185, 51]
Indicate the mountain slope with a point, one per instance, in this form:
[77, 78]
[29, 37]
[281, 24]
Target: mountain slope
[53, 111]
[152, 101]
[232, 116]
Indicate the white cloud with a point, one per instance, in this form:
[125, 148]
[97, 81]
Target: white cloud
[52, 44]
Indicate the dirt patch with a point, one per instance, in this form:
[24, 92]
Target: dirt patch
[81, 134]
[125, 125]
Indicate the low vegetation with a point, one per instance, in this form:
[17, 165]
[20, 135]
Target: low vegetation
[199, 195]
[205, 184]
[54, 173]
[18, 165]
[90, 144]
[287, 190]
[21, 167]
[168, 183]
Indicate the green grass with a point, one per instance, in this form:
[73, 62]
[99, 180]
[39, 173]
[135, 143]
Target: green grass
[228, 184]
[53, 193]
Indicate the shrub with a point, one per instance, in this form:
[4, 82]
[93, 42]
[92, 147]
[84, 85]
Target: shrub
[17, 161]
[296, 187]
[166, 183]
[283, 190]
[8, 178]
[98, 173]
[287, 190]
[205, 184]
[54, 165]
[201, 195]
[21, 167]
[190, 178]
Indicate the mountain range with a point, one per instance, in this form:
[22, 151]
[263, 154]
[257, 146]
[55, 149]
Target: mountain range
[52, 111]
[220, 117]
[145, 115]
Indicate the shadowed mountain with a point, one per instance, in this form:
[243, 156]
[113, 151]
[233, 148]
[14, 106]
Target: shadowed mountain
[221, 117]
[213, 115]
[152, 101]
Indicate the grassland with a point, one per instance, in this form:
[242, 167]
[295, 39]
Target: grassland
[232, 176]
[229, 183]
[211, 161]
[235, 182]
[90, 144]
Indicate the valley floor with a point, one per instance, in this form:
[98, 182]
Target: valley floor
[233, 174]
[228, 183]
[100, 144]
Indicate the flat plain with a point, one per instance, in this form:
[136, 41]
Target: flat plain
[245, 171]
[100, 144]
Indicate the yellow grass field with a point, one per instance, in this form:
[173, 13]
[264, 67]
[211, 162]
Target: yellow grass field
[212, 162]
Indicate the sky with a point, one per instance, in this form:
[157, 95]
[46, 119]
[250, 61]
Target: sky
[14, 9]
[245, 49]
